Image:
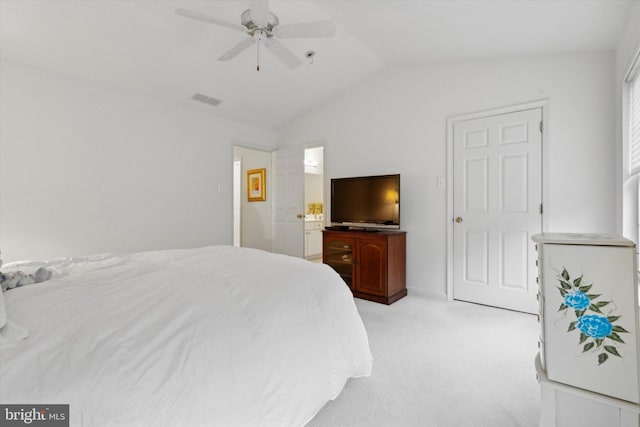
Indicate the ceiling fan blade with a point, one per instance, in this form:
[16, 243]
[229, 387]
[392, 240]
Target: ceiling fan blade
[234, 51]
[282, 53]
[319, 29]
[259, 12]
[205, 18]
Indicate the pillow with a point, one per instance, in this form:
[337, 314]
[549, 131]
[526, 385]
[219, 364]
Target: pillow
[9, 331]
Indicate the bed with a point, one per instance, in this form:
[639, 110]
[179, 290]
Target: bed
[216, 336]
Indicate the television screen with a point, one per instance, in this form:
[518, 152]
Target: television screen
[371, 201]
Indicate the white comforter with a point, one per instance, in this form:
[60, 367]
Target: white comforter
[216, 336]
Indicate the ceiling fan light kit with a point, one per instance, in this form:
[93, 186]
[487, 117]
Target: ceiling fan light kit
[263, 27]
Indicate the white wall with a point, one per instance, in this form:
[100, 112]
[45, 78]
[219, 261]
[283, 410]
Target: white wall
[255, 223]
[87, 169]
[395, 122]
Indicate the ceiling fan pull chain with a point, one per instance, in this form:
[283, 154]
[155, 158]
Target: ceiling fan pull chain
[258, 56]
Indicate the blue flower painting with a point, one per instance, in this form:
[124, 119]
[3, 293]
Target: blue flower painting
[577, 300]
[597, 330]
[595, 326]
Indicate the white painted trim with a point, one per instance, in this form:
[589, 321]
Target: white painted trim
[542, 104]
[449, 217]
[421, 293]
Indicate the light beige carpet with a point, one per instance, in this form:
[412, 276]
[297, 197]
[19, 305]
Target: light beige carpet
[440, 363]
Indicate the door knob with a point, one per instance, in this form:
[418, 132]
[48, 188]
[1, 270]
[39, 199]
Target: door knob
[458, 219]
[300, 216]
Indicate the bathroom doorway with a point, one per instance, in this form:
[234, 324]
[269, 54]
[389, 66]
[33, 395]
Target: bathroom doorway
[314, 218]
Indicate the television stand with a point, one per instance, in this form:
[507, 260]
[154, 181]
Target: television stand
[373, 265]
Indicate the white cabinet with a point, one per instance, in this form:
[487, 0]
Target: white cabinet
[313, 239]
[588, 300]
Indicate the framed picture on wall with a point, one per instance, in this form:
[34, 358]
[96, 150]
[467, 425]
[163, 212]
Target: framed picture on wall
[256, 191]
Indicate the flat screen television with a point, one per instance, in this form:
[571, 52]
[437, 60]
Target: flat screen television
[368, 202]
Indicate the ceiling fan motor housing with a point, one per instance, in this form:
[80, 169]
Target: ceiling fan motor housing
[247, 21]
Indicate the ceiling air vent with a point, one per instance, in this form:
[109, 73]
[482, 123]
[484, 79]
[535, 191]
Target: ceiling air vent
[206, 99]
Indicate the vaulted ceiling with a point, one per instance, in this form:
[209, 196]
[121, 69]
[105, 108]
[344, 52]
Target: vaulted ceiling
[143, 47]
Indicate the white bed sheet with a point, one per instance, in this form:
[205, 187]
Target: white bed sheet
[216, 336]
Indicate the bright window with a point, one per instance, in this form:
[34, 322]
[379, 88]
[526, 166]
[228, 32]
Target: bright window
[633, 129]
[634, 125]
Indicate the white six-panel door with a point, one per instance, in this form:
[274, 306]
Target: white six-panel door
[497, 196]
[288, 201]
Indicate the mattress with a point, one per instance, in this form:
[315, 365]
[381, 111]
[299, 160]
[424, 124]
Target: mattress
[216, 336]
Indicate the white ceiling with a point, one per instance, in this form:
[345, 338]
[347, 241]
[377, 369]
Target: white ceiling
[143, 47]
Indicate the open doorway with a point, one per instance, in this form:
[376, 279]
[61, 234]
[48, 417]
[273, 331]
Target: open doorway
[252, 221]
[251, 218]
[314, 202]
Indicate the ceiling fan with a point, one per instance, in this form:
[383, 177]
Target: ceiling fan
[263, 27]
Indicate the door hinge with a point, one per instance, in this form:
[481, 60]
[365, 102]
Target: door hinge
[540, 208]
[541, 126]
